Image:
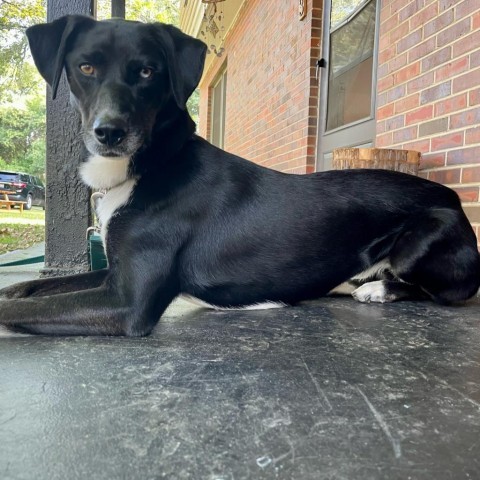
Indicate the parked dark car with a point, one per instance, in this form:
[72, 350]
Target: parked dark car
[23, 187]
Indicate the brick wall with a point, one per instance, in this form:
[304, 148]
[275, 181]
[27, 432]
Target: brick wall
[429, 90]
[272, 94]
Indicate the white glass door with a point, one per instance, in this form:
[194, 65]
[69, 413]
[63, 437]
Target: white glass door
[348, 79]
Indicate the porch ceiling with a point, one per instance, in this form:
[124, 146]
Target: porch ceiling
[192, 20]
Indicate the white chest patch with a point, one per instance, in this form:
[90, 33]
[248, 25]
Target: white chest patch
[114, 199]
[103, 173]
[111, 174]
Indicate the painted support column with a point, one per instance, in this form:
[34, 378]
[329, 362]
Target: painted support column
[68, 213]
[118, 8]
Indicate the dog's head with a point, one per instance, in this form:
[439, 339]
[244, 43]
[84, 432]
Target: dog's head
[122, 75]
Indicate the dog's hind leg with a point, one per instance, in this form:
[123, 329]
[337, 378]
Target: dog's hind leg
[437, 252]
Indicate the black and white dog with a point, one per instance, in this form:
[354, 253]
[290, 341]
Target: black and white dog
[184, 217]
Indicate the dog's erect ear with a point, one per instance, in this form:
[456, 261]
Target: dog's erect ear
[49, 44]
[185, 58]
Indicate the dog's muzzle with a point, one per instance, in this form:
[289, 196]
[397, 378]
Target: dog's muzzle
[113, 137]
[111, 132]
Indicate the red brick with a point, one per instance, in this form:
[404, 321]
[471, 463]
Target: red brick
[419, 115]
[463, 156]
[436, 92]
[453, 33]
[472, 135]
[396, 93]
[394, 123]
[451, 104]
[400, 32]
[397, 63]
[380, 127]
[438, 57]
[387, 54]
[450, 140]
[466, 118]
[409, 41]
[382, 99]
[422, 146]
[467, 194]
[466, 81]
[433, 127]
[385, 11]
[405, 135]
[451, 69]
[385, 140]
[422, 17]
[388, 23]
[385, 83]
[409, 12]
[407, 103]
[421, 50]
[466, 8]
[471, 175]
[466, 44]
[446, 4]
[421, 82]
[476, 21]
[397, 5]
[475, 59]
[432, 160]
[438, 23]
[383, 70]
[447, 177]
[474, 97]
[384, 41]
[407, 73]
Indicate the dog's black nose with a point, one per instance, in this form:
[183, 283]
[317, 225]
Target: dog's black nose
[110, 133]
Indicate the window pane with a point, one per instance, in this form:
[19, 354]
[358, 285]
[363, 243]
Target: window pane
[218, 111]
[341, 10]
[351, 68]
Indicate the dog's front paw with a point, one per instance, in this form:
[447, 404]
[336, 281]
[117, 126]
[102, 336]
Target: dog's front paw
[372, 292]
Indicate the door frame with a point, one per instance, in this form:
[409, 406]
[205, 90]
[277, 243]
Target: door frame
[359, 133]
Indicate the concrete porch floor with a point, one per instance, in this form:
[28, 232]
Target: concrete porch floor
[332, 389]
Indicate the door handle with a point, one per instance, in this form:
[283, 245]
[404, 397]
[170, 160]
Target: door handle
[321, 63]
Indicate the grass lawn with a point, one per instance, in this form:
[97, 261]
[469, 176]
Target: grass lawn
[21, 230]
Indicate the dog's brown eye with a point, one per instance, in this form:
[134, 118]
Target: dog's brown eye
[146, 72]
[87, 69]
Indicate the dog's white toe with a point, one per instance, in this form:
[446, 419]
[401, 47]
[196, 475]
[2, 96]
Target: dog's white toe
[372, 292]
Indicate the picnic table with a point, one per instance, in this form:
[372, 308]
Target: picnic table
[8, 204]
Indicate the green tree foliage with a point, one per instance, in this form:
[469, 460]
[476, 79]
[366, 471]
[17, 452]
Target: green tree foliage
[17, 75]
[166, 11]
[22, 136]
[22, 91]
